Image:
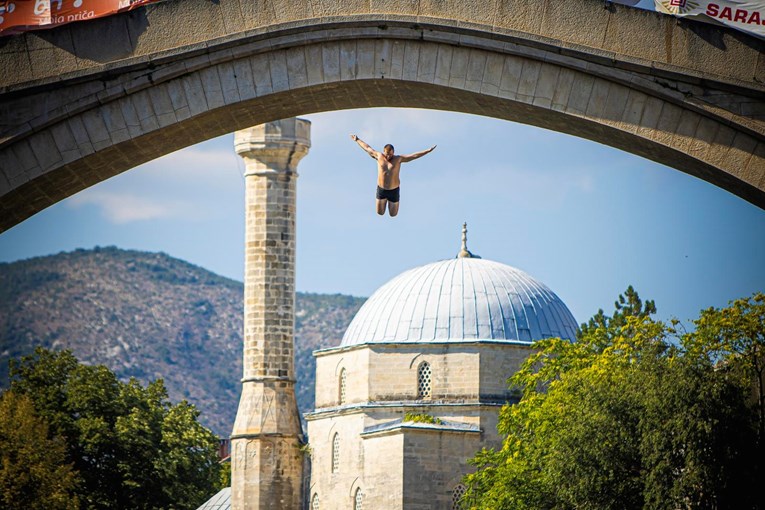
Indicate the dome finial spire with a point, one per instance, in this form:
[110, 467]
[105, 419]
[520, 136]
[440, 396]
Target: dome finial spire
[464, 252]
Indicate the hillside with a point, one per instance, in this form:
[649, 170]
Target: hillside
[148, 315]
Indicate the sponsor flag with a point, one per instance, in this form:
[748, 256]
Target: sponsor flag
[744, 15]
[24, 15]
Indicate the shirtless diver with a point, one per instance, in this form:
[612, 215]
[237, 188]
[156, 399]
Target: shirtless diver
[388, 170]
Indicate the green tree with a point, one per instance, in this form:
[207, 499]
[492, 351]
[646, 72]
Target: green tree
[626, 305]
[627, 417]
[736, 336]
[34, 473]
[130, 445]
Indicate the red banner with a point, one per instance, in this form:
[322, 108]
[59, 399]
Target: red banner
[24, 15]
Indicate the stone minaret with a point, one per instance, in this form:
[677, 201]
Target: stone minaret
[266, 463]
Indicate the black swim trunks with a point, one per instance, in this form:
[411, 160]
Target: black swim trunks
[391, 195]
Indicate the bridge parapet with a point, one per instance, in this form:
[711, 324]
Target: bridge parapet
[178, 28]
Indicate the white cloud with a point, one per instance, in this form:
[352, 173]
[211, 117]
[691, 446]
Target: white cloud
[209, 166]
[121, 208]
[196, 183]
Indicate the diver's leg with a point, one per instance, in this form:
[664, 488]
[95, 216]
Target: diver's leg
[381, 203]
[392, 208]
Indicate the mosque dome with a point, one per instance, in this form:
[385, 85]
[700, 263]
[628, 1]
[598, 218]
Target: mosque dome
[463, 299]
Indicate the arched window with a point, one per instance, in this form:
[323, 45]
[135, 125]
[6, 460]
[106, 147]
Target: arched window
[457, 494]
[423, 380]
[335, 453]
[358, 500]
[315, 502]
[342, 386]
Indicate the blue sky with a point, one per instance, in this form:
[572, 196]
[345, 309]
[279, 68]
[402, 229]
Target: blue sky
[585, 219]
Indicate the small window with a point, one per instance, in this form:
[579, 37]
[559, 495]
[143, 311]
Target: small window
[423, 380]
[335, 453]
[358, 501]
[457, 494]
[343, 379]
[315, 502]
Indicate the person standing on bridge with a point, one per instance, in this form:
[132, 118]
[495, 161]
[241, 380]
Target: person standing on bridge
[388, 170]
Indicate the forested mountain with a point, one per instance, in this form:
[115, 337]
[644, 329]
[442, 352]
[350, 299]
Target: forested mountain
[148, 315]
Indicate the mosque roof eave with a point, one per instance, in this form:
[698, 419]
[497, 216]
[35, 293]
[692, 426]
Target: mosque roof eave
[399, 426]
[360, 407]
[457, 342]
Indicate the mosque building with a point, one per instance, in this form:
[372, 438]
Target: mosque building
[413, 390]
[415, 387]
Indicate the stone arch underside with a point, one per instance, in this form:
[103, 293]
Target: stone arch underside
[100, 128]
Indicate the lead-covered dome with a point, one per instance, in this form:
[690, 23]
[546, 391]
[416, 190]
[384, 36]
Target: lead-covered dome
[461, 299]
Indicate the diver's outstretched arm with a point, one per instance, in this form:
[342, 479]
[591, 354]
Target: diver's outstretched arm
[409, 157]
[369, 150]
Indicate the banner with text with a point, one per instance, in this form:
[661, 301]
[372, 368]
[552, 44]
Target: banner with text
[745, 15]
[24, 15]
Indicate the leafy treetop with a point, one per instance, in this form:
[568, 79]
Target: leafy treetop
[631, 416]
[130, 447]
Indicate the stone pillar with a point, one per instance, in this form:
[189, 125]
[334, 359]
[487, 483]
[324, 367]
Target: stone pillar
[266, 463]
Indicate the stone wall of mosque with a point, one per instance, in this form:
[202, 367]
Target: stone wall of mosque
[329, 369]
[434, 464]
[383, 483]
[398, 372]
[342, 463]
[403, 468]
[372, 385]
[424, 372]
[498, 363]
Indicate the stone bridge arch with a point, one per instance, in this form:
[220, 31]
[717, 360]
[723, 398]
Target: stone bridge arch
[64, 132]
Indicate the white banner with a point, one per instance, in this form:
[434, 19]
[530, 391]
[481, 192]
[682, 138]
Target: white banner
[744, 15]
